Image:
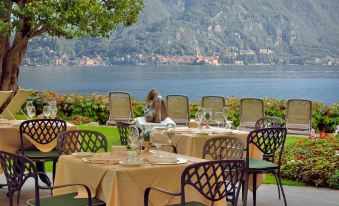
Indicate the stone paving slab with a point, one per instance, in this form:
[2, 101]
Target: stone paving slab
[267, 195]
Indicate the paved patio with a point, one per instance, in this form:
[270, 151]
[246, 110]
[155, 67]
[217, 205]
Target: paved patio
[267, 195]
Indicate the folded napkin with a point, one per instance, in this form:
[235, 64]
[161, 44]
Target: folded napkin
[102, 160]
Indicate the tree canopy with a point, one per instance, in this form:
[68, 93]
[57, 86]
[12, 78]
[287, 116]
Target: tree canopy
[21, 20]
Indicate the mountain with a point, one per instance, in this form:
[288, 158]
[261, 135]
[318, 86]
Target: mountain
[290, 29]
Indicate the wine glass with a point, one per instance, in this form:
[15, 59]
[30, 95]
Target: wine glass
[31, 112]
[157, 140]
[29, 105]
[218, 117]
[225, 111]
[170, 130]
[53, 108]
[46, 111]
[207, 115]
[134, 141]
[198, 117]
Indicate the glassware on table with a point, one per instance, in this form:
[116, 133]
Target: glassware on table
[225, 112]
[31, 111]
[157, 140]
[229, 125]
[170, 130]
[53, 109]
[207, 116]
[134, 141]
[29, 105]
[46, 111]
[218, 117]
[199, 117]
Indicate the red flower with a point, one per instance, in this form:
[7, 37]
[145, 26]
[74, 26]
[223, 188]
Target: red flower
[326, 135]
[78, 119]
[298, 157]
[321, 135]
[317, 153]
[331, 139]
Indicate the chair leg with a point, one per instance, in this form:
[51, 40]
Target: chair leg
[254, 189]
[18, 197]
[277, 181]
[281, 187]
[244, 197]
[54, 168]
[41, 168]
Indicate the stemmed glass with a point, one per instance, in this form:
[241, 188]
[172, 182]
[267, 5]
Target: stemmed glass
[207, 116]
[53, 108]
[199, 117]
[29, 105]
[134, 141]
[46, 111]
[218, 117]
[157, 140]
[170, 130]
[31, 112]
[225, 111]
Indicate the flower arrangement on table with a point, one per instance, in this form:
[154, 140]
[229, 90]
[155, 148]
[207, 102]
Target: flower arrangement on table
[314, 160]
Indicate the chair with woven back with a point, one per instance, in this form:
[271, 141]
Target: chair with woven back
[120, 107]
[209, 180]
[269, 122]
[18, 169]
[270, 141]
[41, 132]
[299, 117]
[251, 109]
[178, 109]
[216, 104]
[219, 148]
[81, 141]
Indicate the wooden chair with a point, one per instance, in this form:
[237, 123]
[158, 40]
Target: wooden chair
[299, 117]
[178, 109]
[251, 109]
[120, 107]
[81, 141]
[209, 180]
[18, 169]
[268, 141]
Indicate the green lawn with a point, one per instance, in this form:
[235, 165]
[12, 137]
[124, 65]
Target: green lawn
[113, 139]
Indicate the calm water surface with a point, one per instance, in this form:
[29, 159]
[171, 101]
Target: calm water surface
[319, 83]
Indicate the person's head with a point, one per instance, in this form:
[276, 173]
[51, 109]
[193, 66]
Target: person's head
[151, 94]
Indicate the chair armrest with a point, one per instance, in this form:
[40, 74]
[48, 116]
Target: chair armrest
[148, 190]
[69, 185]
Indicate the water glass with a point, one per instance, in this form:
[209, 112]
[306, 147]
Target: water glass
[31, 111]
[46, 111]
[218, 117]
[207, 115]
[53, 109]
[170, 130]
[134, 141]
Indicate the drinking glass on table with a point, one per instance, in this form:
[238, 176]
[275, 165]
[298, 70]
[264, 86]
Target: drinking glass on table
[218, 117]
[31, 111]
[134, 141]
[207, 116]
[198, 118]
[157, 140]
[170, 130]
[225, 112]
[46, 111]
[53, 108]
[29, 105]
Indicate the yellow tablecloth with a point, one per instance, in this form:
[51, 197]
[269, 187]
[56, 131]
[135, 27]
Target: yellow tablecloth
[124, 186]
[189, 141]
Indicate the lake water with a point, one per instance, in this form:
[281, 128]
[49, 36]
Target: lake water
[320, 83]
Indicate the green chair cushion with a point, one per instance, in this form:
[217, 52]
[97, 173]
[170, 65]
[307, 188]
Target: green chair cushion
[190, 204]
[31, 153]
[261, 164]
[65, 200]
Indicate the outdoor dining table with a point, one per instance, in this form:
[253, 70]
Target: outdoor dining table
[10, 140]
[190, 142]
[120, 185]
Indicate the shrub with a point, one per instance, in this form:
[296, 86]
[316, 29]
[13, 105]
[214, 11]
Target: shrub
[313, 160]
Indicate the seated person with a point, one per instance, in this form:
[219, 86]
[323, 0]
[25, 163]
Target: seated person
[155, 108]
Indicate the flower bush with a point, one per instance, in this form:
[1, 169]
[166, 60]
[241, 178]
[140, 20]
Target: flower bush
[313, 160]
[79, 120]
